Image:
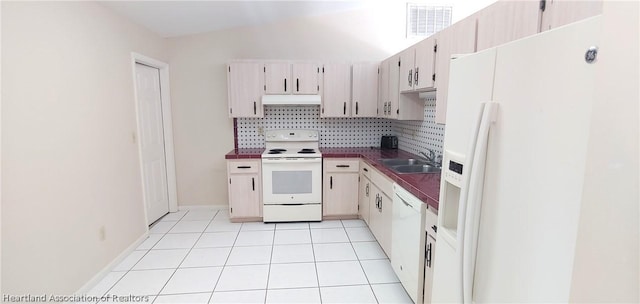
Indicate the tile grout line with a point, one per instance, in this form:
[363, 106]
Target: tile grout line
[315, 262]
[185, 257]
[226, 260]
[362, 267]
[273, 240]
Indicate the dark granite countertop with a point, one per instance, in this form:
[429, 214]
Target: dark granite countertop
[425, 187]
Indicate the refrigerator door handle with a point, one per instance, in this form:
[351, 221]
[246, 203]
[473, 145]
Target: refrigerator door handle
[473, 202]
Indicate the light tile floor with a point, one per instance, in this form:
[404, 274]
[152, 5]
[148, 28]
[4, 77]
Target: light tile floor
[199, 256]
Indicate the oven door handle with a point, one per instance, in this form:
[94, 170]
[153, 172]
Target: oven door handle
[291, 160]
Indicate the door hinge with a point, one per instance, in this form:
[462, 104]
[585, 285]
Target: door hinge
[264, 69]
[265, 87]
[358, 207]
[318, 88]
[231, 210]
[433, 77]
[377, 111]
[229, 181]
[318, 70]
[543, 5]
[435, 48]
[378, 70]
[229, 69]
[231, 110]
[322, 110]
[322, 70]
[399, 62]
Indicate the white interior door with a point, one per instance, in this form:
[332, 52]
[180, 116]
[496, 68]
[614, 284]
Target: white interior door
[154, 164]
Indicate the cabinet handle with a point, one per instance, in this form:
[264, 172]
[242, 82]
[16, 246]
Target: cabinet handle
[244, 167]
[435, 228]
[380, 203]
[342, 166]
[254, 108]
[428, 255]
[356, 108]
[330, 182]
[297, 85]
[415, 77]
[410, 76]
[285, 84]
[344, 108]
[253, 183]
[366, 190]
[377, 201]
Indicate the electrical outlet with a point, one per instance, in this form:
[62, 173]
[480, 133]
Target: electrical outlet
[102, 233]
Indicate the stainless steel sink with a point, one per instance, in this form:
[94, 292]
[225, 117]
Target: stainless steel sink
[415, 169]
[409, 165]
[391, 162]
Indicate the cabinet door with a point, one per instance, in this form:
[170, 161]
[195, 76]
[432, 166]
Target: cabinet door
[428, 267]
[380, 216]
[424, 63]
[394, 91]
[364, 101]
[456, 39]
[340, 197]
[336, 95]
[406, 69]
[277, 77]
[506, 21]
[244, 86]
[383, 88]
[305, 77]
[244, 196]
[561, 12]
[364, 197]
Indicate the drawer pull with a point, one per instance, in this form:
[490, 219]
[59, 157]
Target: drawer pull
[365, 169]
[342, 166]
[244, 167]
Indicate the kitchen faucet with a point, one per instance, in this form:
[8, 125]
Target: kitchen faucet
[432, 158]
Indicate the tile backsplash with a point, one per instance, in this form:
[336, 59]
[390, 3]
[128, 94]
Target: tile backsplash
[418, 136]
[334, 132]
[413, 136]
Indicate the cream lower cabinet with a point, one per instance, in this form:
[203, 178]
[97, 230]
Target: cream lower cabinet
[431, 222]
[381, 209]
[364, 192]
[340, 178]
[245, 190]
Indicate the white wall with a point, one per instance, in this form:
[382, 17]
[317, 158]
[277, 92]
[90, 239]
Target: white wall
[70, 165]
[203, 132]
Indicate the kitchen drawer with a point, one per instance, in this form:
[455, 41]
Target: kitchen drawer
[365, 169]
[243, 166]
[431, 220]
[382, 181]
[341, 165]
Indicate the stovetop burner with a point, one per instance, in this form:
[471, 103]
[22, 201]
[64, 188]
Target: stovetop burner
[307, 151]
[276, 151]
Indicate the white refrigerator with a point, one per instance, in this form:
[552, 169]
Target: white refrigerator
[515, 150]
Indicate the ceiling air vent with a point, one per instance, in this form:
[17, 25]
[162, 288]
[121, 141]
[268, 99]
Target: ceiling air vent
[424, 20]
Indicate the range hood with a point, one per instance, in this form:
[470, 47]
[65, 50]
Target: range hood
[290, 100]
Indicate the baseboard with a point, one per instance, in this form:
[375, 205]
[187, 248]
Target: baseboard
[203, 207]
[102, 273]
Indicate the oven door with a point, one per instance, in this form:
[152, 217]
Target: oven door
[289, 181]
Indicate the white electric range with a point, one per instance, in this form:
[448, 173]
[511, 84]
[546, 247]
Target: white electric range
[292, 176]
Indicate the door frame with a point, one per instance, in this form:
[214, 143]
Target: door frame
[167, 127]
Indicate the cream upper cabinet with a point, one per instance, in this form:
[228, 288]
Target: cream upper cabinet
[336, 90]
[245, 83]
[406, 69]
[506, 21]
[277, 78]
[417, 66]
[424, 64]
[245, 190]
[383, 88]
[560, 12]
[460, 38]
[394, 87]
[340, 181]
[305, 78]
[364, 90]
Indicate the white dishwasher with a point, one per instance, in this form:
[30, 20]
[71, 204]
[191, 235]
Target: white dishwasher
[408, 241]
